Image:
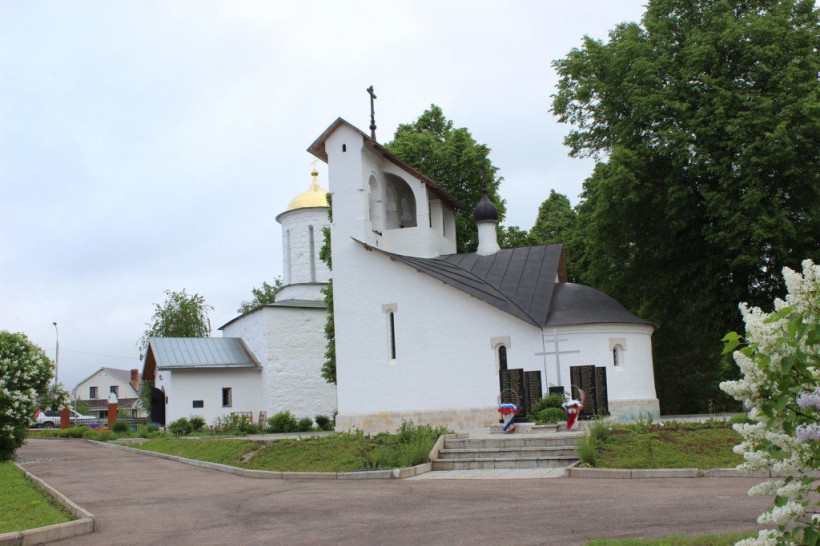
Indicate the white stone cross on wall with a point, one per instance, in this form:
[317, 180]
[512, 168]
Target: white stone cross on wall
[555, 340]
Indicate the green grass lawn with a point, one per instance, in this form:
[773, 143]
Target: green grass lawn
[673, 445]
[674, 540]
[23, 505]
[340, 452]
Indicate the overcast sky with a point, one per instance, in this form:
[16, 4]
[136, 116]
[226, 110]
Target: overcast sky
[148, 146]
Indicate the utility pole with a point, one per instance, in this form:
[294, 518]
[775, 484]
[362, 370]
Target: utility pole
[56, 356]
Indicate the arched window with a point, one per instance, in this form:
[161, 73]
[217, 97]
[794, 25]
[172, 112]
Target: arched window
[502, 358]
[400, 203]
[375, 205]
[617, 356]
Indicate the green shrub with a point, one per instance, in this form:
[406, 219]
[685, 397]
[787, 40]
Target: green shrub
[549, 416]
[181, 427]
[120, 427]
[587, 450]
[324, 422]
[283, 421]
[197, 423]
[305, 424]
[147, 431]
[234, 424]
[549, 401]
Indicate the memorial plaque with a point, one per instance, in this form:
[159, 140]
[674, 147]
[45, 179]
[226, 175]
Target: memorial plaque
[583, 378]
[556, 390]
[512, 387]
[534, 389]
[601, 396]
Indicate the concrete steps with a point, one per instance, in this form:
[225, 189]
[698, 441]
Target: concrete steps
[506, 452]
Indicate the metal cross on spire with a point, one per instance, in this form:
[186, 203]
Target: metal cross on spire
[372, 113]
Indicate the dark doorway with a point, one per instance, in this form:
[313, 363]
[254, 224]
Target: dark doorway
[158, 406]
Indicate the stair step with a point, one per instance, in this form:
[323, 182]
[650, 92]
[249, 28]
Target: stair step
[506, 443]
[495, 463]
[508, 453]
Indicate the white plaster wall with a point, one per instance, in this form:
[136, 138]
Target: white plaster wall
[298, 223]
[185, 386]
[104, 381]
[290, 345]
[305, 291]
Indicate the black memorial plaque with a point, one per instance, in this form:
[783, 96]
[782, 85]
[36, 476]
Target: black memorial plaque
[512, 387]
[592, 381]
[534, 389]
[601, 396]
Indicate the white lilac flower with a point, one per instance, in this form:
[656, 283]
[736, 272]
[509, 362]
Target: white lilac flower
[782, 515]
[809, 399]
[808, 433]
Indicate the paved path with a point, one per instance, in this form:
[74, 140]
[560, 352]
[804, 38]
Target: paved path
[145, 500]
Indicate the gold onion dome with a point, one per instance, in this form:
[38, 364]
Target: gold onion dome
[313, 197]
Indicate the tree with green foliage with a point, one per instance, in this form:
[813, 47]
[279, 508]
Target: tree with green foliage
[180, 315]
[704, 119]
[261, 296]
[25, 376]
[556, 223]
[453, 158]
[329, 365]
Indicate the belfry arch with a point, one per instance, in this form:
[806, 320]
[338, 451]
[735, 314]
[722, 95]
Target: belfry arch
[400, 203]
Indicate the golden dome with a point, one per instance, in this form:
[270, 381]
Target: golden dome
[313, 197]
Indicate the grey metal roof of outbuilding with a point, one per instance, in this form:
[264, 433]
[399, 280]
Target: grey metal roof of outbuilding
[526, 282]
[201, 352]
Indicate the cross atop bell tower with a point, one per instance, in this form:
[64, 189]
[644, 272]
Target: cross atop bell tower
[372, 94]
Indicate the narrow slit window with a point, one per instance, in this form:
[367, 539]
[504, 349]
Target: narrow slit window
[227, 397]
[392, 319]
[312, 246]
[502, 358]
[617, 356]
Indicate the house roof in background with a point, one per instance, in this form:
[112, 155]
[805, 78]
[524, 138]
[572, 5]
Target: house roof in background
[124, 375]
[172, 353]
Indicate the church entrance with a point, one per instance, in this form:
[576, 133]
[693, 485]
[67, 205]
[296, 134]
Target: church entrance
[158, 406]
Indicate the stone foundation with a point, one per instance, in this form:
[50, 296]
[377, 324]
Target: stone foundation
[629, 411]
[389, 421]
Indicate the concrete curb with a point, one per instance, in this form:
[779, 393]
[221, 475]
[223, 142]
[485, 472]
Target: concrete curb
[576, 471]
[40, 535]
[390, 474]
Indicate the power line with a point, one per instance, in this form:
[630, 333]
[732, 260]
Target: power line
[100, 354]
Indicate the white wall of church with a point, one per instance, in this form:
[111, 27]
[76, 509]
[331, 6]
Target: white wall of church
[290, 345]
[302, 240]
[182, 387]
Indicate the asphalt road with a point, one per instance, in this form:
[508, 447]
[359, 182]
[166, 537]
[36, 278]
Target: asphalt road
[145, 500]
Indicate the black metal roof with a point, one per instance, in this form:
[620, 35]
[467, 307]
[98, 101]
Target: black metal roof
[526, 282]
[578, 304]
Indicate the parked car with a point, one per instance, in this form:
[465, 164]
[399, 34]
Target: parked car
[51, 419]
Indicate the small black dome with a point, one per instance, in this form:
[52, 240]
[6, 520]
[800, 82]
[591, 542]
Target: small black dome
[485, 210]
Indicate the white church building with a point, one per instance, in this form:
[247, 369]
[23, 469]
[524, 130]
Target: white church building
[422, 333]
[426, 334]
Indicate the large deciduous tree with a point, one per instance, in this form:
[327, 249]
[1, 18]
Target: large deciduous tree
[704, 119]
[453, 158]
[180, 315]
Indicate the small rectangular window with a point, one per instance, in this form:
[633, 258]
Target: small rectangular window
[114, 389]
[199, 404]
[92, 392]
[226, 397]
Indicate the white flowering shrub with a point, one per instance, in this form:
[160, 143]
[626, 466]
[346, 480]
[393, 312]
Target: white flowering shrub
[25, 374]
[779, 358]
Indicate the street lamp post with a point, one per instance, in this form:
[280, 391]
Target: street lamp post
[57, 355]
